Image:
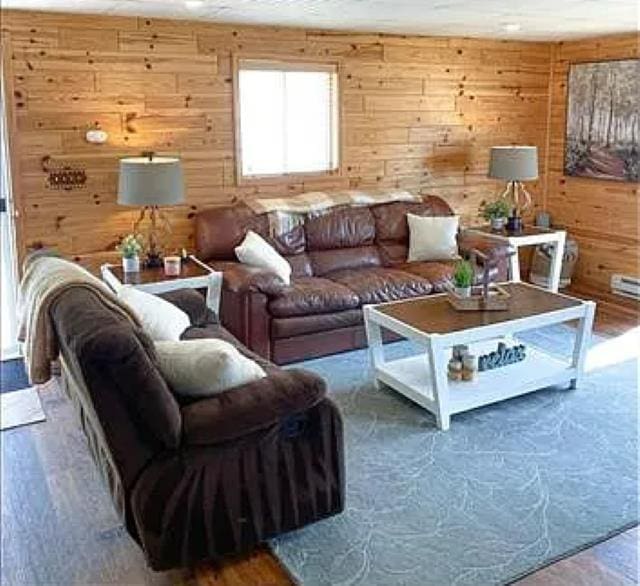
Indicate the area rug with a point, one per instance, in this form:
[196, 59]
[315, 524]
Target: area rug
[20, 408]
[509, 488]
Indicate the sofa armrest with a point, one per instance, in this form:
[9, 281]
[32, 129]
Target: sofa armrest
[240, 278]
[494, 247]
[248, 408]
[193, 303]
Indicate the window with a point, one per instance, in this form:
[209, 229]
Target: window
[287, 118]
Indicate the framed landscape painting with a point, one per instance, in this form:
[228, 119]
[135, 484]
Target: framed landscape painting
[603, 120]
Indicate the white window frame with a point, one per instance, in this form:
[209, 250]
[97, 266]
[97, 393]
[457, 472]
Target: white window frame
[241, 61]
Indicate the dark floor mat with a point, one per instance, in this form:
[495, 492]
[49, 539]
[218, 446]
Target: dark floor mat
[13, 376]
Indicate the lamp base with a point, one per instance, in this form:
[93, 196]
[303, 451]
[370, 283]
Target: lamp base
[153, 261]
[155, 234]
[514, 224]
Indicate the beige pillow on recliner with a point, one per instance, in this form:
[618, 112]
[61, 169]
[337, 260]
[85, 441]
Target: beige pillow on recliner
[160, 319]
[203, 367]
[432, 237]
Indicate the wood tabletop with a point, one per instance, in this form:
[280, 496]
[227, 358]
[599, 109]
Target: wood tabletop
[527, 230]
[435, 315]
[189, 270]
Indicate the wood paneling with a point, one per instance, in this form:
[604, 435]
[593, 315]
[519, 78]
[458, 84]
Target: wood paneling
[603, 216]
[417, 113]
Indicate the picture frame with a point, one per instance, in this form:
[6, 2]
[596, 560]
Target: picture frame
[602, 139]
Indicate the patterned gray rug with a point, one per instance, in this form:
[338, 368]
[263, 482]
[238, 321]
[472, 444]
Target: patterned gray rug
[509, 488]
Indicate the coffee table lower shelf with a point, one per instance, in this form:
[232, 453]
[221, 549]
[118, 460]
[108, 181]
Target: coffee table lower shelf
[412, 378]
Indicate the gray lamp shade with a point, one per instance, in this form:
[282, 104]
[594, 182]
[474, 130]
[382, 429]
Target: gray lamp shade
[514, 163]
[150, 182]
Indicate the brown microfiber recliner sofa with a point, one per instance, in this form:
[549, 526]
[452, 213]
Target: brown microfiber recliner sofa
[340, 261]
[194, 480]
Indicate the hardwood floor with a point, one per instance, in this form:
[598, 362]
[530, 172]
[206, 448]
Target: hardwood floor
[48, 477]
[613, 562]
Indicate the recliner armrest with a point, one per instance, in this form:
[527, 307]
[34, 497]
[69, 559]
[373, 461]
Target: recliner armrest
[251, 407]
[239, 278]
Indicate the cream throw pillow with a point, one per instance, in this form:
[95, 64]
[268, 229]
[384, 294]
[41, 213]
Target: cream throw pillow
[159, 318]
[198, 368]
[432, 237]
[256, 251]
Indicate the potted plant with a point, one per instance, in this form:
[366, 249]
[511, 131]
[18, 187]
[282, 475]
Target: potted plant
[130, 248]
[496, 212]
[463, 278]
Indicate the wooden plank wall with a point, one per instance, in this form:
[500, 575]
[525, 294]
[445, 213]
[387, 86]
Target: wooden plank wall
[603, 216]
[418, 113]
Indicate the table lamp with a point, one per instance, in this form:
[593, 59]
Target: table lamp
[151, 182]
[515, 164]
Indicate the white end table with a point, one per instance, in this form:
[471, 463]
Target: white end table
[530, 236]
[194, 275]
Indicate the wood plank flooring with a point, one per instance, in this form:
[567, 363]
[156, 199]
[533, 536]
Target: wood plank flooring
[58, 527]
[611, 563]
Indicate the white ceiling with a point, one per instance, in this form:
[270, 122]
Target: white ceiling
[538, 19]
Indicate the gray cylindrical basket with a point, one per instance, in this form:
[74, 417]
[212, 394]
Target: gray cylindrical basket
[541, 264]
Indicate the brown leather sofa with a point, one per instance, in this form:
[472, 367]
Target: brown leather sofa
[201, 479]
[340, 261]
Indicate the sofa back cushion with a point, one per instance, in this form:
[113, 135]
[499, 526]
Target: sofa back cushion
[392, 229]
[292, 246]
[219, 230]
[118, 358]
[391, 218]
[365, 236]
[341, 239]
[341, 228]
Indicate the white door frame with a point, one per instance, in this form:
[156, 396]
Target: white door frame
[9, 347]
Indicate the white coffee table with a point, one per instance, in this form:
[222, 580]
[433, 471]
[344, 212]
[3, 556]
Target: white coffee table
[435, 327]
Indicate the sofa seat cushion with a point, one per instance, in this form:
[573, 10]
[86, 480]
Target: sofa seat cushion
[312, 295]
[287, 327]
[377, 285]
[440, 274]
[339, 259]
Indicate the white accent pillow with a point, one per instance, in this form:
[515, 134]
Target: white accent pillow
[159, 318]
[256, 251]
[198, 368]
[432, 237]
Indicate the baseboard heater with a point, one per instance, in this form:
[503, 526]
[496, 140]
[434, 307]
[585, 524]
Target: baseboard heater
[626, 285]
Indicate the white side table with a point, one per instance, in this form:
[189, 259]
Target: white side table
[531, 236]
[194, 275]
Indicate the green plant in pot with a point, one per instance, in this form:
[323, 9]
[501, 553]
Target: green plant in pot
[496, 212]
[130, 248]
[463, 278]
